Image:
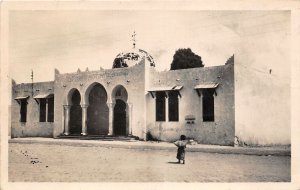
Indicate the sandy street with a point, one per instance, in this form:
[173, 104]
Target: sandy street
[61, 163]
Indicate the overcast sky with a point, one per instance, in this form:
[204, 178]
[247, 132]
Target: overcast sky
[68, 40]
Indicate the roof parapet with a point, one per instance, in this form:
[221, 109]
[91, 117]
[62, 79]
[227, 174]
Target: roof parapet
[230, 60]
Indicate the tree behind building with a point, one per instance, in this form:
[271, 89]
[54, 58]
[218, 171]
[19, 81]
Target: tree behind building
[185, 59]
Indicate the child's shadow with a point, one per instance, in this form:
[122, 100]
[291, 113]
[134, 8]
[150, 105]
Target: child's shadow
[173, 163]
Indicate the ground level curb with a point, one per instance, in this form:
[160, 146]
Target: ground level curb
[259, 151]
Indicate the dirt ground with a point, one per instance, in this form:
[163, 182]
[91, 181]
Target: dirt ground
[61, 163]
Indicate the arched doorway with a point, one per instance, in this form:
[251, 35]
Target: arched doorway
[120, 118]
[75, 113]
[97, 112]
[120, 115]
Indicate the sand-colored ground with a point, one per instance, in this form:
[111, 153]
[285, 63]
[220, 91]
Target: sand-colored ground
[61, 163]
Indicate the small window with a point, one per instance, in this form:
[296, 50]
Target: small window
[208, 105]
[51, 109]
[160, 106]
[119, 92]
[43, 108]
[173, 106]
[23, 110]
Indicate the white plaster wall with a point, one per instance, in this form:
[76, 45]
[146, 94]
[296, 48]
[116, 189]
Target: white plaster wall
[262, 108]
[221, 131]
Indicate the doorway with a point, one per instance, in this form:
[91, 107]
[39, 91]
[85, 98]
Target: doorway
[75, 114]
[120, 118]
[97, 112]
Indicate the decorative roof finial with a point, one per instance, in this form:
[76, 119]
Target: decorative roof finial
[133, 39]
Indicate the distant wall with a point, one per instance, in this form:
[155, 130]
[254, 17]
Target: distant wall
[221, 131]
[263, 115]
[32, 127]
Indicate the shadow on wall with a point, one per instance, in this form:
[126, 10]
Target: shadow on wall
[149, 137]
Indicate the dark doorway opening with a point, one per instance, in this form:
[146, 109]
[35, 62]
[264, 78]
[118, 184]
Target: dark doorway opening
[97, 113]
[120, 118]
[75, 114]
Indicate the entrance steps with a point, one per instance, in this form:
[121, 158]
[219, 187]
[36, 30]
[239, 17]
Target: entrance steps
[98, 137]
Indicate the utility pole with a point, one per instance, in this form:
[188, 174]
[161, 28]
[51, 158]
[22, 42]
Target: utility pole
[32, 82]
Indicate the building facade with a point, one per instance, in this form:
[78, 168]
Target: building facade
[131, 99]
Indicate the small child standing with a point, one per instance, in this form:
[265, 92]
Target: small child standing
[181, 144]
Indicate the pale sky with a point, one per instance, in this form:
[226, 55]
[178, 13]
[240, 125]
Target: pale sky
[68, 40]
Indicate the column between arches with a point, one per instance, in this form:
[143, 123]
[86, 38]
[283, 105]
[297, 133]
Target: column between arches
[84, 118]
[67, 109]
[111, 106]
[130, 117]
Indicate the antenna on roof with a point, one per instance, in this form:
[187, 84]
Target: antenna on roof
[31, 82]
[133, 39]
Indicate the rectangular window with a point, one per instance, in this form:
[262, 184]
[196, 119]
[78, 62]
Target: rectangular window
[160, 106]
[51, 109]
[208, 105]
[173, 106]
[23, 110]
[43, 108]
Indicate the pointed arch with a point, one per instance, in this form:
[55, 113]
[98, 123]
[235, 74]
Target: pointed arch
[119, 92]
[97, 110]
[121, 115]
[74, 100]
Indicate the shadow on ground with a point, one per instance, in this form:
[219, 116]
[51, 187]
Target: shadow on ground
[173, 163]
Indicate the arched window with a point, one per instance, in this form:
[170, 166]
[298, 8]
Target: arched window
[119, 92]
